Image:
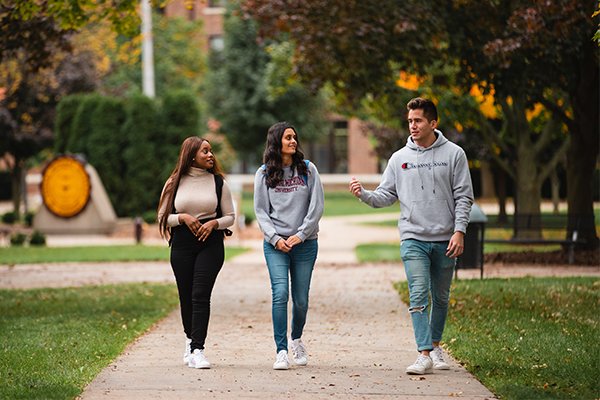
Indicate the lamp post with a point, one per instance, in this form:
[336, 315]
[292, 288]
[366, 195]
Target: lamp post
[147, 52]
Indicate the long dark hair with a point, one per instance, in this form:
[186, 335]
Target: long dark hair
[188, 151]
[272, 155]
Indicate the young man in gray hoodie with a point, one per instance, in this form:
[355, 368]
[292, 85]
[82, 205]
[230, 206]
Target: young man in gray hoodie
[430, 177]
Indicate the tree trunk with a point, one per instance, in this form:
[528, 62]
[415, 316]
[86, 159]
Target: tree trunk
[487, 181]
[528, 198]
[583, 153]
[555, 185]
[500, 187]
[527, 218]
[16, 176]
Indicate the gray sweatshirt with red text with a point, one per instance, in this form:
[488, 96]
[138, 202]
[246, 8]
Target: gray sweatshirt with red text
[433, 185]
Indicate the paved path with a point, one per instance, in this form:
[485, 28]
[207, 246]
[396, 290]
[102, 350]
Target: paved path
[358, 333]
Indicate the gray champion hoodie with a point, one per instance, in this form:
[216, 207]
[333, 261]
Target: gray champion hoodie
[293, 207]
[433, 186]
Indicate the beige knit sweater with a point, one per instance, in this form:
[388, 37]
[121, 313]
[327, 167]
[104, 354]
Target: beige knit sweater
[196, 196]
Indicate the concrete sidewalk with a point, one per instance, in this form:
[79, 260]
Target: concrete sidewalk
[358, 335]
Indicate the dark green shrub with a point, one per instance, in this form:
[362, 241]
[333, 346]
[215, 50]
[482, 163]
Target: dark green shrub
[66, 110]
[81, 125]
[9, 218]
[17, 239]
[28, 218]
[248, 218]
[105, 146]
[140, 158]
[181, 116]
[149, 217]
[37, 238]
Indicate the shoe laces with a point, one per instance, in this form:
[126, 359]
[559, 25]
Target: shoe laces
[300, 350]
[282, 356]
[437, 355]
[421, 360]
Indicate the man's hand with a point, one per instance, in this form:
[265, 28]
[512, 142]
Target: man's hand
[355, 187]
[456, 246]
[282, 245]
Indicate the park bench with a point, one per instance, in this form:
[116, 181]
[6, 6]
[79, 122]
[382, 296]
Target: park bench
[524, 223]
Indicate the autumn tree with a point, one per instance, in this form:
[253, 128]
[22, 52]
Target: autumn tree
[251, 86]
[525, 52]
[34, 37]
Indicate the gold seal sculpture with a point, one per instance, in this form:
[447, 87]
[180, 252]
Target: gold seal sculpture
[65, 186]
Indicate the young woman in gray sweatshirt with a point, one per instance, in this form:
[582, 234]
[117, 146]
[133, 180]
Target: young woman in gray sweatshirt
[288, 203]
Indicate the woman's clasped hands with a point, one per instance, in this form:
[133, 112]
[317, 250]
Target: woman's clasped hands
[286, 245]
[201, 230]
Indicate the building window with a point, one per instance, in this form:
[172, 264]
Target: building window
[217, 3]
[215, 42]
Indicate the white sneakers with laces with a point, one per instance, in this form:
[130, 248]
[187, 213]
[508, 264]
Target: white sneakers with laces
[423, 365]
[299, 353]
[437, 357]
[282, 361]
[188, 351]
[198, 360]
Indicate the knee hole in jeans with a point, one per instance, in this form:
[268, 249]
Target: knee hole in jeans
[417, 309]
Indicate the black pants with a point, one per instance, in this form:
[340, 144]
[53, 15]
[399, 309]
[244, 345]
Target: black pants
[196, 266]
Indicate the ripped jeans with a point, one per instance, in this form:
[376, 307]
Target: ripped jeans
[429, 272]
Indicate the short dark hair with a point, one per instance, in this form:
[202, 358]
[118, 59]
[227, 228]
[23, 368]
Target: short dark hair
[429, 109]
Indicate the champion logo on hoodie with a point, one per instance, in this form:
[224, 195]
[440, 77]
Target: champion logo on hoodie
[429, 165]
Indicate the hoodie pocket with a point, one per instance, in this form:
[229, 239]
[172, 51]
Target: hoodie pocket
[431, 216]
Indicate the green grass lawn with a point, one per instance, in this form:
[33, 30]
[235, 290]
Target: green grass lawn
[336, 203]
[527, 338]
[55, 341]
[32, 255]
[390, 252]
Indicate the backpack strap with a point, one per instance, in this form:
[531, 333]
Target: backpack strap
[219, 191]
[305, 176]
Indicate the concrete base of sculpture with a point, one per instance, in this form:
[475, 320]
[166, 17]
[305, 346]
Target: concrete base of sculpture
[98, 217]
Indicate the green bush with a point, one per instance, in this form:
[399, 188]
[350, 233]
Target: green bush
[149, 217]
[17, 239]
[28, 218]
[181, 114]
[37, 238]
[66, 110]
[9, 218]
[142, 131]
[248, 218]
[81, 125]
[106, 143]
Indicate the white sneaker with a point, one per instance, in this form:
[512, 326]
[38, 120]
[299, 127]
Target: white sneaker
[299, 353]
[422, 366]
[437, 357]
[188, 351]
[282, 361]
[198, 360]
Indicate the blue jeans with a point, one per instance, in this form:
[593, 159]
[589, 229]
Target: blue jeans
[429, 272]
[298, 265]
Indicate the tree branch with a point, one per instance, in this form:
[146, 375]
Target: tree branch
[556, 158]
[551, 127]
[558, 112]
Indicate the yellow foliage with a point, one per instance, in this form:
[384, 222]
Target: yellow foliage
[409, 81]
[458, 126]
[487, 105]
[534, 112]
